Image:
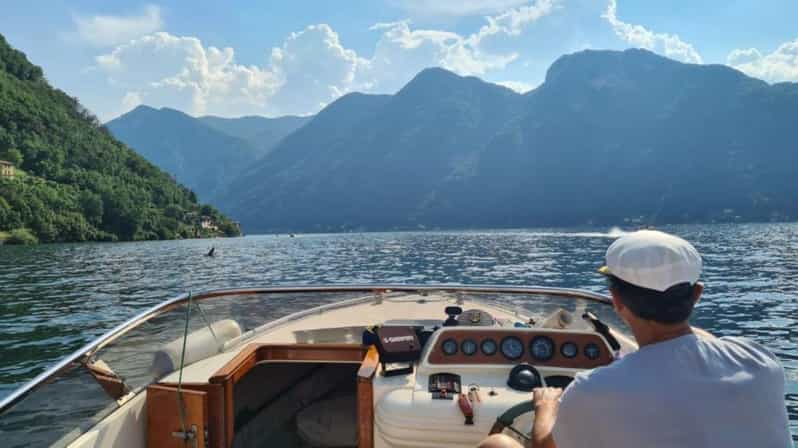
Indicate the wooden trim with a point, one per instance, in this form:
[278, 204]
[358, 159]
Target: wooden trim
[229, 413]
[436, 355]
[245, 359]
[365, 398]
[163, 415]
[216, 411]
[253, 354]
[108, 380]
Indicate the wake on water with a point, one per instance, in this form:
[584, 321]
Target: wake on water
[614, 232]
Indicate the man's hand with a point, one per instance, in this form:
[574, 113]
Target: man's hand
[546, 395]
[547, 402]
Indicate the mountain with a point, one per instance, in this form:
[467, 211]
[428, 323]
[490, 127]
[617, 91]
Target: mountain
[261, 132]
[608, 137]
[72, 180]
[197, 155]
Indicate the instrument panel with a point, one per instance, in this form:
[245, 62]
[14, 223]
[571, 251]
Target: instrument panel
[538, 347]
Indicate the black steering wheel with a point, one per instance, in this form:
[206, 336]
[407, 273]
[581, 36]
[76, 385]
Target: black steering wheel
[523, 377]
[507, 418]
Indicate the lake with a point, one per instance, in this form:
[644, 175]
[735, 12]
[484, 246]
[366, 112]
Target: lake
[55, 298]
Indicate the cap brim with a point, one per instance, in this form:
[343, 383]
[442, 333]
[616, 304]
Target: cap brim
[604, 270]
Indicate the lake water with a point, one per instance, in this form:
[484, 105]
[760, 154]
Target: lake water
[55, 298]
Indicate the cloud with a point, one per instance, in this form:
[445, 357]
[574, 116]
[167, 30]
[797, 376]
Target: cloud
[668, 44]
[456, 8]
[313, 68]
[106, 31]
[518, 86]
[780, 65]
[402, 51]
[179, 72]
[513, 21]
[309, 70]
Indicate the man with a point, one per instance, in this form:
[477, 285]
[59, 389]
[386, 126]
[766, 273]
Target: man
[683, 387]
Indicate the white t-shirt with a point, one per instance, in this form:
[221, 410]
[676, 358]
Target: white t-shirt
[685, 392]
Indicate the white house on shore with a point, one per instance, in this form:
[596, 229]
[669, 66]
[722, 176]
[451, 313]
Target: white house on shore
[6, 169]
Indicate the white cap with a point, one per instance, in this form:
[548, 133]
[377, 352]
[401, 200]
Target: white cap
[653, 260]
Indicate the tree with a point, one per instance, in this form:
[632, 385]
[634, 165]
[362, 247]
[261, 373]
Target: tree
[12, 155]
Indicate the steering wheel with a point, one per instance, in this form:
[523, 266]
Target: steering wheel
[523, 377]
[507, 418]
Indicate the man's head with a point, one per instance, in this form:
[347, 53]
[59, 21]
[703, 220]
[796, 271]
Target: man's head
[653, 277]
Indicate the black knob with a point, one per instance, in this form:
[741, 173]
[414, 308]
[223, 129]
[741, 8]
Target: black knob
[524, 377]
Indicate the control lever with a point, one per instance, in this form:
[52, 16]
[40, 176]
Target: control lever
[465, 407]
[602, 329]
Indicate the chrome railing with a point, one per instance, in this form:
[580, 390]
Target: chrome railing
[118, 331]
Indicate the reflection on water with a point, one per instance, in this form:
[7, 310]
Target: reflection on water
[55, 298]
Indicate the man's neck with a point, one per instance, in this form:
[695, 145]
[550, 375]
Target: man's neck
[652, 332]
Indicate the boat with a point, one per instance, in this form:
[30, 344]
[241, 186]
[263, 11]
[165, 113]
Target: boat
[322, 366]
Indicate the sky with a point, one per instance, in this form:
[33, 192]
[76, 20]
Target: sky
[234, 58]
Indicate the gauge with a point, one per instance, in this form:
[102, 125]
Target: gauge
[592, 351]
[449, 347]
[512, 347]
[469, 347]
[489, 347]
[569, 350]
[542, 348]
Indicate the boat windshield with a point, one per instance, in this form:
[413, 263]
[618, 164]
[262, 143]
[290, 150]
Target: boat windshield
[67, 400]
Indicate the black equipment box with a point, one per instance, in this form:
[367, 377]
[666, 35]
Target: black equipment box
[398, 344]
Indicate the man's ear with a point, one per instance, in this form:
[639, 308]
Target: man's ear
[697, 290]
[616, 301]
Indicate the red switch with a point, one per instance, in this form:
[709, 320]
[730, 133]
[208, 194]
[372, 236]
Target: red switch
[466, 409]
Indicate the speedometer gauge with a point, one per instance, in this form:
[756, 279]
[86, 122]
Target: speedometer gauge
[592, 351]
[569, 350]
[469, 347]
[489, 347]
[449, 347]
[512, 347]
[542, 348]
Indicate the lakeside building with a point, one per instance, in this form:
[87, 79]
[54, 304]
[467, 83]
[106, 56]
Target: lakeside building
[206, 222]
[6, 169]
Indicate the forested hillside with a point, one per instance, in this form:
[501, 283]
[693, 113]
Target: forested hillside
[73, 181]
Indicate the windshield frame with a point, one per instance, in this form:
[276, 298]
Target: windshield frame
[87, 350]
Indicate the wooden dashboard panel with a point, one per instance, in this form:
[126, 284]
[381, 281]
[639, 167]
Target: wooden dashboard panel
[580, 361]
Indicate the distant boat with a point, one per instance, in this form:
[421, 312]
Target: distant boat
[291, 235]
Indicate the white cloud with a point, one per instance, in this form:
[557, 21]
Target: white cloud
[403, 51]
[313, 69]
[456, 7]
[513, 21]
[518, 86]
[309, 70]
[780, 65]
[106, 31]
[179, 72]
[668, 44]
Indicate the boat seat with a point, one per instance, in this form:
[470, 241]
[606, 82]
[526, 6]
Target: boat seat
[329, 423]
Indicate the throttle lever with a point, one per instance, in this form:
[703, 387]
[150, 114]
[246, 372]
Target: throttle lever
[602, 329]
[465, 407]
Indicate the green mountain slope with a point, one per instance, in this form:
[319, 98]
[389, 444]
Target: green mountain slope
[197, 155]
[609, 137]
[75, 182]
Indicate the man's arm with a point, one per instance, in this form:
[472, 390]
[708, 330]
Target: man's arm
[547, 403]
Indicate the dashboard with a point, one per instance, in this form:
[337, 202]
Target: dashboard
[541, 347]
